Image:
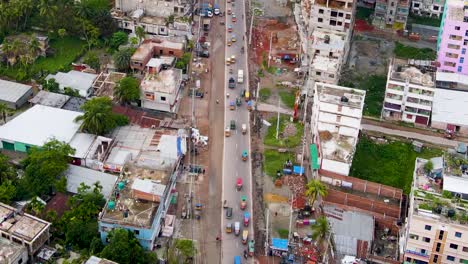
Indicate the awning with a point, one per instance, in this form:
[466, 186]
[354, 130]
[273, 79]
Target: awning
[279, 244]
[298, 170]
[314, 157]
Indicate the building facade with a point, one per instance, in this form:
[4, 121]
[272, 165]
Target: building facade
[161, 91]
[14, 95]
[428, 8]
[452, 41]
[335, 123]
[151, 48]
[391, 14]
[409, 92]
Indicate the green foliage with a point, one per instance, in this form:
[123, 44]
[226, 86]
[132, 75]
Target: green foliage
[320, 229]
[51, 85]
[124, 248]
[425, 206]
[92, 60]
[392, 163]
[408, 52]
[374, 85]
[288, 98]
[283, 233]
[71, 92]
[273, 161]
[428, 21]
[61, 185]
[127, 90]
[288, 142]
[140, 33]
[447, 194]
[183, 61]
[44, 166]
[7, 191]
[7, 171]
[429, 166]
[98, 118]
[363, 13]
[185, 249]
[264, 93]
[118, 38]
[314, 189]
[122, 58]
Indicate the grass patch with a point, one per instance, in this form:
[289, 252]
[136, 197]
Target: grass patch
[363, 13]
[264, 93]
[374, 86]
[286, 142]
[390, 164]
[283, 233]
[408, 52]
[288, 98]
[428, 21]
[274, 161]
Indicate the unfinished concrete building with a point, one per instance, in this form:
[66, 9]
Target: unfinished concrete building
[391, 14]
[154, 16]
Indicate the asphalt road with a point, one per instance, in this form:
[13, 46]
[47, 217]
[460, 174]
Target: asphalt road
[233, 165]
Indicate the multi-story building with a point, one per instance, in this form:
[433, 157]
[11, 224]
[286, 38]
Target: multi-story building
[335, 124]
[450, 111]
[11, 252]
[335, 15]
[452, 41]
[141, 197]
[23, 229]
[436, 229]
[161, 91]
[391, 13]
[428, 8]
[410, 91]
[151, 48]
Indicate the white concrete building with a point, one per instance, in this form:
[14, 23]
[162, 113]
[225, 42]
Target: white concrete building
[410, 91]
[429, 8]
[335, 124]
[450, 111]
[76, 80]
[11, 252]
[161, 91]
[13, 94]
[335, 15]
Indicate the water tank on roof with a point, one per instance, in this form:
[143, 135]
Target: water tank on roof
[111, 205]
[121, 185]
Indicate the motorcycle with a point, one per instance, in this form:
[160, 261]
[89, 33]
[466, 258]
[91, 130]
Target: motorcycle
[245, 254]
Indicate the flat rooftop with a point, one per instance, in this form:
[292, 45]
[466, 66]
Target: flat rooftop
[452, 80]
[333, 94]
[23, 226]
[329, 40]
[450, 107]
[402, 71]
[39, 124]
[148, 46]
[12, 91]
[167, 81]
[455, 10]
[153, 20]
[325, 64]
[50, 99]
[77, 80]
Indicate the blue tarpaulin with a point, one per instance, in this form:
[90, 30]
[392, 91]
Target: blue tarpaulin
[298, 170]
[179, 146]
[279, 244]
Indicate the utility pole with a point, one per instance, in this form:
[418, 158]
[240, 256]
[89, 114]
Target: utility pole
[278, 121]
[256, 102]
[290, 215]
[251, 23]
[267, 230]
[269, 52]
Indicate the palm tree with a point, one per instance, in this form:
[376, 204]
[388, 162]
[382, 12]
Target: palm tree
[122, 59]
[314, 188]
[34, 48]
[127, 90]
[16, 47]
[4, 111]
[140, 33]
[98, 118]
[320, 229]
[7, 50]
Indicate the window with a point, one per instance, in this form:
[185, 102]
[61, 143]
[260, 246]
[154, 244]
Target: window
[453, 46]
[391, 12]
[320, 19]
[137, 232]
[454, 246]
[458, 234]
[465, 42]
[463, 51]
[465, 249]
[438, 247]
[320, 11]
[392, 4]
[318, 73]
[20, 261]
[441, 232]
[416, 5]
[435, 259]
[412, 236]
[462, 59]
[466, 33]
[459, 69]
[334, 14]
[435, 8]
[428, 227]
[171, 52]
[450, 258]
[339, 23]
[423, 251]
[426, 239]
[348, 16]
[340, 14]
[457, 28]
[163, 98]
[332, 23]
[331, 76]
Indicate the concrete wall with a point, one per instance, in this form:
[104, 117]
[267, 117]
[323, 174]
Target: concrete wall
[442, 125]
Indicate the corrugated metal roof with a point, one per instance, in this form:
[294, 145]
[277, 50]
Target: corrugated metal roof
[77, 175]
[12, 91]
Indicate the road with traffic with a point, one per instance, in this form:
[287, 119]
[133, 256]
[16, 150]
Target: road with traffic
[234, 166]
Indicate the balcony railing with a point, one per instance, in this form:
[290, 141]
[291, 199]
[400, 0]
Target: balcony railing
[392, 106]
[411, 109]
[398, 88]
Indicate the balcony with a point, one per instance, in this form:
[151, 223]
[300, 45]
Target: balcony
[394, 96]
[411, 110]
[392, 106]
[451, 55]
[453, 46]
[455, 37]
[424, 112]
[396, 87]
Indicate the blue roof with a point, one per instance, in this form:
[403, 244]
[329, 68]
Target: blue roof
[298, 170]
[237, 260]
[280, 244]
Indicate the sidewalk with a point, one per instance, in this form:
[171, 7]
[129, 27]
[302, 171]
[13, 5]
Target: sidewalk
[411, 135]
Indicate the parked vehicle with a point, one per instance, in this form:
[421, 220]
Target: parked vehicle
[233, 125]
[247, 96]
[227, 132]
[228, 228]
[238, 101]
[229, 213]
[217, 11]
[240, 76]
[251, 248]
[232, 105]
[230, 28]
[237, 260]
[244, 155]
[245, 236]
[206, 24]
[225, 205]
[246, 219]
[234, 18]
[243, 202]
[203, 53]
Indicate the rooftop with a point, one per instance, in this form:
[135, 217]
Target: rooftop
[50, 99]
[10, 251]
[96, 260]
[76, 175]
[325, 64]
[148, 46]
[350, 224]
[74, 104]
[451, 80]
[20, 225]
[163, 60]
[341, 96]
[153, 20]
[329, 40]
[12, 91]
[455, 10]
[430, 200]
[419, 73]
[39, 124]
[450, 107]
[167, 81]
[77, 80]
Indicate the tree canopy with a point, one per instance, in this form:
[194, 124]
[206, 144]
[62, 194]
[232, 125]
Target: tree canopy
[44, 166]
[127, 90]
[118, 38]
[122, 58]
[98, 117]
[124, 248]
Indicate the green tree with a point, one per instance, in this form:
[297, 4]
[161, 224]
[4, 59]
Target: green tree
[36, 206]
[122, 59]
[92, 60]
[4, 111]
[124, 248]
[429, 166]
[89, 32]
[134, 41]
[7, 171]
[7, 191]
[321, 229]
[51, 85]
[118, 38]
[80, 234]
[185, 249]
[314, 188]
[98, 118]
[140, 33]
[44, 166]
[71, 92]
[127, 90]
[34, 48]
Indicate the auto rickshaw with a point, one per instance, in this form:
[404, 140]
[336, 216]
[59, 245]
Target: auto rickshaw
[228, 228]
[229, 42]
[232, 105]
[198, 208]
[245, 236]
[250, 105]
[230, 28]
[238, 101]
[233, 38]
[239, 184]
[246, 219]
[233, 59]
[244, 155]
[247, 96]
[227, 132]
[243, 202]
[244, 129]
[251, 248]
[228, 61]
[236, 228]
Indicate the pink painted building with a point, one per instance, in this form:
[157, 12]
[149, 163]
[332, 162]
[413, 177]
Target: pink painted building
[452, 42]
